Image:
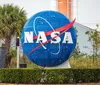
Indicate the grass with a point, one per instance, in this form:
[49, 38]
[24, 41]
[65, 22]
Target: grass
[82, 62]
[79, 62]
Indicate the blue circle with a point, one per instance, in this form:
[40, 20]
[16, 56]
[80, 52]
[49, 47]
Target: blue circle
[48, 55]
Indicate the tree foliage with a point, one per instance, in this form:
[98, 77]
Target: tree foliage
[76, 53]
[94, 38]
[12, 19]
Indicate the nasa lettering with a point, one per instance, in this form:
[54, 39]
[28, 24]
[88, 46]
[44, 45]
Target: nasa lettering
[42, 37]
[48, 38]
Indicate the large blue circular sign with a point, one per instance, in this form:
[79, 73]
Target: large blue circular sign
[48, 38]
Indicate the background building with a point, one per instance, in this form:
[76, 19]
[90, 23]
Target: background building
[65, 7]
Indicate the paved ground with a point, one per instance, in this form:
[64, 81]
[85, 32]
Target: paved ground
[53, 84]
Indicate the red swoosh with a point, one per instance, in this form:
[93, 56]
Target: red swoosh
[58, 30]
[65, 28]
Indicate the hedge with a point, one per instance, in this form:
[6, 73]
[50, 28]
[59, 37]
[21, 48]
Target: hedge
[20, 75]
[49, 76]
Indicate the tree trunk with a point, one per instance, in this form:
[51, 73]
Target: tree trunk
[7, 45]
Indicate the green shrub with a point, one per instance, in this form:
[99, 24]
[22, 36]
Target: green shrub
[31, 75]
[10, 75]
[49, 76]
[86, 75]
[20, 75]
[59, 76]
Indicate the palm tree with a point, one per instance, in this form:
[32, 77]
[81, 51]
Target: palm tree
[12, 19]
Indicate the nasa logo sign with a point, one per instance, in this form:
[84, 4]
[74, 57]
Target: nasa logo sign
[48, 38]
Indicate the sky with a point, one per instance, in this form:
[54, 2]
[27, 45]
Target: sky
[89, 12]
[31, 6]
